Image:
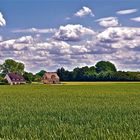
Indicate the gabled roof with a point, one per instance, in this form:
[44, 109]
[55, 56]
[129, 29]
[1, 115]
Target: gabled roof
[50, 74]
[16, 77]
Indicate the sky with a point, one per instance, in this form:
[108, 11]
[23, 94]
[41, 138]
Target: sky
[50, 34]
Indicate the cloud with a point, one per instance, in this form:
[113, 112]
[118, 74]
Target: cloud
[120, 37]
[84, 12]
[2, 20]
[25, 40]
[17, 44]
[72, 32]
[127, 11]
[54, 47]
[35, 30]
[67, 18]
[120, 45]
[108, 22]
[136, 19]
[1, 38]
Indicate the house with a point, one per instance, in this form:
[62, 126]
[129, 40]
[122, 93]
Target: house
[50, 78]
[14, 78]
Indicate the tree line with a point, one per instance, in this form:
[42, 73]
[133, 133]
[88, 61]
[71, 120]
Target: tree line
[102, 71]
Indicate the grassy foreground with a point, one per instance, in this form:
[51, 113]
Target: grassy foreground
[82, 111]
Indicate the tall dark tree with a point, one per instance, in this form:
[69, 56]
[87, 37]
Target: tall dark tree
[105, 66]
[41, 73]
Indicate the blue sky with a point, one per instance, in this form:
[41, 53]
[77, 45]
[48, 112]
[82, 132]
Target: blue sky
[51, 13]
[49, 34]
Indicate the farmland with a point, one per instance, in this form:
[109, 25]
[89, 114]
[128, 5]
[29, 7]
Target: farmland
[70, 111]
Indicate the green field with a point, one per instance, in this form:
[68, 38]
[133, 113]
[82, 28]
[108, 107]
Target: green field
[81, 111]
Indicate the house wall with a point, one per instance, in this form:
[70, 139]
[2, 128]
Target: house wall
[50, 78]
[9, 80]
[46, 81]
[50, 81]
[56, 81]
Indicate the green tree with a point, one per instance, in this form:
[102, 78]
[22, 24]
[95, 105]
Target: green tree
[90, 71]
[41, 73]
[105, 66]
[37, 78]
[28, 76]
[11, 65]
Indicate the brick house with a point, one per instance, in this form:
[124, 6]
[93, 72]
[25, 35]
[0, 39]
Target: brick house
[50, 78]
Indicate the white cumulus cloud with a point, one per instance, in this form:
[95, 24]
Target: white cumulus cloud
[84, 12]
[120, 37]
[2, 20]
[25, 39]
[108, 21]
[116, 44]
[72, 32]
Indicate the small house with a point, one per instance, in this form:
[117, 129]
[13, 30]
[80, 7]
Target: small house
[50, 78]
[14, 79]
